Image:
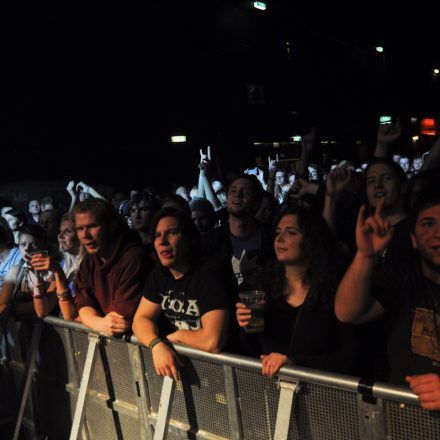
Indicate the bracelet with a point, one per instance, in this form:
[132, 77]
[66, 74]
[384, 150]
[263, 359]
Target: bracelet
[64, 296]
[154, 342]
[37, 294]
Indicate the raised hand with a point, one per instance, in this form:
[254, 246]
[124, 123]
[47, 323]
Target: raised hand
[205, 157]
[337, 180]
[260, 175]
[272, 165]
[308, 141]
[388, 133]
[71, 187]
[374, 233]
[81, 186]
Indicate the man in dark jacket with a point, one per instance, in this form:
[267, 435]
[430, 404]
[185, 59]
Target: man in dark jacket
[113, 273]
[242, 240]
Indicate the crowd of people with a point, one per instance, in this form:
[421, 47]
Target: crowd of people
[349, 260]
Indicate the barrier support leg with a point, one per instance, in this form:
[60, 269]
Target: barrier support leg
[164, 413]
[371, 419]
[141, 391]
[234, 411]
[285, 406]
[74, 371]
[28, 371]
[78, 418]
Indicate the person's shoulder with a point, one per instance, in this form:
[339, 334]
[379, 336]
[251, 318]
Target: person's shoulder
[217, 233]
[213, 267]
[15, 255]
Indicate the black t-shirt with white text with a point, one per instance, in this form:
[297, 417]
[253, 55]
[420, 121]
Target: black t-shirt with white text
[208, 285]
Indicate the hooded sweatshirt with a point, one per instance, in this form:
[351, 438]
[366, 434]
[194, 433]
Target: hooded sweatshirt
[114, 285]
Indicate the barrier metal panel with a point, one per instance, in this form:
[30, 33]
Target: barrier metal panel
[200, 398]
[326, 407]
[410, 422]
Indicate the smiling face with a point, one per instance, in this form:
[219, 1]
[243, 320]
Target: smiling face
[241, 198]
[426, 236]
[288, 239]
[382, 182]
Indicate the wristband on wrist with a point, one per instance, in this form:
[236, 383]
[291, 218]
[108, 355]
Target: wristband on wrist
[154, 342]
[38, 293]
[64, 296]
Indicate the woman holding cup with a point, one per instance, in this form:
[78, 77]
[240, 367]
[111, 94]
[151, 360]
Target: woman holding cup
[299, 324]
[35, 284]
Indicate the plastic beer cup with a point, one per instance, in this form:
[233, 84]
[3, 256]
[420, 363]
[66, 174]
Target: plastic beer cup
[254, 300]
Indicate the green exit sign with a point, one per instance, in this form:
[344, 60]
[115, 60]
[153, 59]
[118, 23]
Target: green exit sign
[260, 5]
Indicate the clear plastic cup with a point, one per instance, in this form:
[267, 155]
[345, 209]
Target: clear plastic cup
[254, 300]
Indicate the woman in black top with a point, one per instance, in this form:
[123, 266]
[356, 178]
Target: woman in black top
[300, 324]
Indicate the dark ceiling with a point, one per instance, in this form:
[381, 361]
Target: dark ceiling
[120, 80]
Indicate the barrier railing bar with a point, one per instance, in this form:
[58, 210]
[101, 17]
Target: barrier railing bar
[106, 402]
[400, 394]
[74, 372]
[347, 383]
[28, 371]
[165, 404]
[285, 406]
[184, 431]
[81, 402]
[141, 391]
[234, 410]
[371, 419]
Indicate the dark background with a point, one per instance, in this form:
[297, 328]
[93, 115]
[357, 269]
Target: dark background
[95, 94]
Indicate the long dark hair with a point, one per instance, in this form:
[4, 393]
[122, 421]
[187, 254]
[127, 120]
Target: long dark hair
[325, 263]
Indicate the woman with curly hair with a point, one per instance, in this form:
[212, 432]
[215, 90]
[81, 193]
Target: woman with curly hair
[300, 324]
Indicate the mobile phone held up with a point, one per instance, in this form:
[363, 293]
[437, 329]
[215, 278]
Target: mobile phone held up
[385, 120]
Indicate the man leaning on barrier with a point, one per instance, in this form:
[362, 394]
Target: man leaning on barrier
[112, 273]
[193, 292]
[409, 302]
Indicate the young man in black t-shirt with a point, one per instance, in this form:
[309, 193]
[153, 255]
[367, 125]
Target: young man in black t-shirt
[192, 292]
[410, 303]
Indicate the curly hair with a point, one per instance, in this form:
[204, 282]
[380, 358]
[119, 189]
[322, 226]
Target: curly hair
[325, 263]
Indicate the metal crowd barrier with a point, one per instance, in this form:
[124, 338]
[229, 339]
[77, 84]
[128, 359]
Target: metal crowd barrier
[80, 385]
